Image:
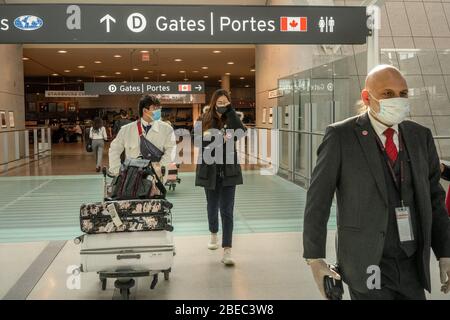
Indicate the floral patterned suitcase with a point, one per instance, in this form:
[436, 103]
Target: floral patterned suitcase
[126, 215]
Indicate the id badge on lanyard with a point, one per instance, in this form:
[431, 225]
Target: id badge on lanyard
[404, 224]
[402, 213]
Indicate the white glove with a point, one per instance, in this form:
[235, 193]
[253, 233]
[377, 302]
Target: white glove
[111, 173]
[320, 269]
[444, 267]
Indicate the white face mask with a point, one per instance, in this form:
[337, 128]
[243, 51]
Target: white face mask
[392, 111]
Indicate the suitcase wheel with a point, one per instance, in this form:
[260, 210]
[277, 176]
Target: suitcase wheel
[104, 282]
[154, 282]
[124, 287]
[125, 293]
[166, 274]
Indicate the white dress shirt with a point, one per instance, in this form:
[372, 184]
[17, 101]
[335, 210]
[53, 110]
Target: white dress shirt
[380, 128]
[145, 124]
[97, 135]
[161, 135]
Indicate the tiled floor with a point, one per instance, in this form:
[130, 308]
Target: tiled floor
[40, 203]
[44, 208]
[268, 266]
[47, 207]
[72, 159]
[66, 159]
[15, 259]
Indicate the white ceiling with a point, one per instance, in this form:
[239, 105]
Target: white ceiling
[44, 60]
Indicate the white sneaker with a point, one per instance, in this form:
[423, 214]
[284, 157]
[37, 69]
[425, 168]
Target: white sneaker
[213, 242]
[227, 259]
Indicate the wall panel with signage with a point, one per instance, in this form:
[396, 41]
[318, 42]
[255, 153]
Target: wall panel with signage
[12, 123]
[3, 119]
[40, 111]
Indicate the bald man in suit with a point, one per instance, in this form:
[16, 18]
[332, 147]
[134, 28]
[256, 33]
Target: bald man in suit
[385, 173]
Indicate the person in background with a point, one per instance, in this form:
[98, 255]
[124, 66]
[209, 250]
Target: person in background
[445, 174]
[240, 115]
[59, 134]
[98, 136]
[77, 130]
[220, 179]
[71, 135]
[119, 123]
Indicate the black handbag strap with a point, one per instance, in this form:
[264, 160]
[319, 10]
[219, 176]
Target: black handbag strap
[158, 183]
[141, 136]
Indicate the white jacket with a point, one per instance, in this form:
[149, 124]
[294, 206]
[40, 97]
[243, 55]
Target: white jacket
[161, 135]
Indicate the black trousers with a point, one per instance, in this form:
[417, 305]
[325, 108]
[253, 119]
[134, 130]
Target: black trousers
[400, 280]
[221, 198]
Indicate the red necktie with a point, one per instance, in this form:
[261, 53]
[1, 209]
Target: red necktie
[390, 147]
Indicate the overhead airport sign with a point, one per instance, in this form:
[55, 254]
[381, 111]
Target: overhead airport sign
[120, 88]
[89, 23]
[275, 93]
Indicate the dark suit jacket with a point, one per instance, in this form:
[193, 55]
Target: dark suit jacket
[349, 164]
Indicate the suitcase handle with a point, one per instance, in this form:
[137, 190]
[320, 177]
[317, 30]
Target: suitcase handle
[128, 256]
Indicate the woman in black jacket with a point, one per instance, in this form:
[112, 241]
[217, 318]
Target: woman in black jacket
[220, 175]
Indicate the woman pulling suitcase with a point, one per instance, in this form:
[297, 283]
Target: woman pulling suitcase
[219, 178]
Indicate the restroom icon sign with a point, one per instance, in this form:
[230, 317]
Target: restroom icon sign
[326, 24]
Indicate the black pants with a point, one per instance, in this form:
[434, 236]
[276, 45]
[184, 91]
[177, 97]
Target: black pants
[221, 198]
[400, 280]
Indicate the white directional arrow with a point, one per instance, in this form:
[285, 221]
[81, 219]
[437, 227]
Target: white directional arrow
[108, 20]
[199, 88]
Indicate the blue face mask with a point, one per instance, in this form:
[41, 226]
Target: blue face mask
[156, 114]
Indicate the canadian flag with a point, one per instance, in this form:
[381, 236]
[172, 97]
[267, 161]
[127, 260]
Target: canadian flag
[184, 87]
[294, 24]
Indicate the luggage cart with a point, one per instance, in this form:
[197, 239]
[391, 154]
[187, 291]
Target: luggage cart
[124, 275]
